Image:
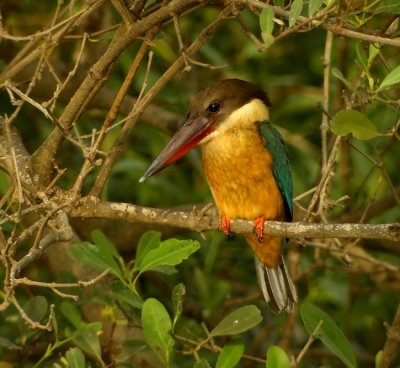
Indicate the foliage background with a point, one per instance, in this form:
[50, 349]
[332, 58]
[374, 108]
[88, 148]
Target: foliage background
[312, 67]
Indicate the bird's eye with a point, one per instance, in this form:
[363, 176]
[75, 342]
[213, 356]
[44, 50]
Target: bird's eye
[214, 107]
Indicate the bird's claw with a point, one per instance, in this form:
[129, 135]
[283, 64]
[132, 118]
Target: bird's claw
[258, 229]
[226, 225]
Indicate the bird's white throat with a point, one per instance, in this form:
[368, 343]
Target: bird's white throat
[254, 111]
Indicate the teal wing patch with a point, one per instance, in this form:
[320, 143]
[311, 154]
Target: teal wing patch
[281, 168]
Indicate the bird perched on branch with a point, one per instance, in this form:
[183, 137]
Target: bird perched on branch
[247, 168]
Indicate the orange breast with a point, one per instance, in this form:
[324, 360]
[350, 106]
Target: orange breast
[239, 172]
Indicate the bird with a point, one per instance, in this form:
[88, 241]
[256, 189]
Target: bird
[247, 169]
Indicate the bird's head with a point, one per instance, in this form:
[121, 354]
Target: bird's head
[215, 109]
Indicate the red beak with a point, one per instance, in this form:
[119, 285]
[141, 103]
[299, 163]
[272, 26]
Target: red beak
[191, 133]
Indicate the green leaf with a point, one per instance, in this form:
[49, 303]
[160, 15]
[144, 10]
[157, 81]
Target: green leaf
[373, 52]
[268, 39]
[202, 363]
[148, 241]
[4, 182]
[72, 313]
[130, 348]
[108, 252]
[231, 354]
[392, 78]
[104, 243]
[134, 346]
[238, 321]
[157, 326]
[166, 270]
[8, 344]
[267, 26]
[277, 358]
[36, 308]
[125, 296]
[54, 323]
[170, 253]
[388, 6]
[98, 258]
[177, 299]
[267, 20]
[87, 338]
[361, 57]
[314, 6]
[338, 74]
[354, 122]
[295, 11]
[75, 358]
[330, 334]
[378, 358]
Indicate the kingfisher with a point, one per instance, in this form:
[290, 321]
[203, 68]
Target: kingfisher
[247, 168]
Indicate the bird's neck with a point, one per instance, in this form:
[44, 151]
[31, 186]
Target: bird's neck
[233, 145]
[249, 114]
[245, 118]
[237, 134]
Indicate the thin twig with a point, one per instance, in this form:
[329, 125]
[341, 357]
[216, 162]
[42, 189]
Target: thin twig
[48, 31]
[31, 323]
[260, 45]
[392, 343]
[324, 178]
[57, 285]
[310, 340]
[9, 85]
[60, 88]
[214, 348]
[381, 167]
[325, 101]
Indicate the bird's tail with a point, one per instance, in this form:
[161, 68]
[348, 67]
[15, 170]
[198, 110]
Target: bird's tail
[277, 287]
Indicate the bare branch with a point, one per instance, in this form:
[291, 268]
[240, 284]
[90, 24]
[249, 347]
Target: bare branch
[20, 62]
[10, 86]
[54, 286]
[123, 11]
[31, 323]
[310, 340]
[90, 208]
[61, 232]
[325, 177]
[325, 103]
[44, 157]
[392, 343]
[14, 158]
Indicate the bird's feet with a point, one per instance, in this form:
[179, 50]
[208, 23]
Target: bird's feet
[226, 225]
[259, 228]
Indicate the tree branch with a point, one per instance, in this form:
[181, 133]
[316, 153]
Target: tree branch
[196, 221]
[337, 29]
[14, 158]
[44, 157]
[392, 343]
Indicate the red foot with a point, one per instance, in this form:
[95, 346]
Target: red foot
[225, 225]
[259, 228]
